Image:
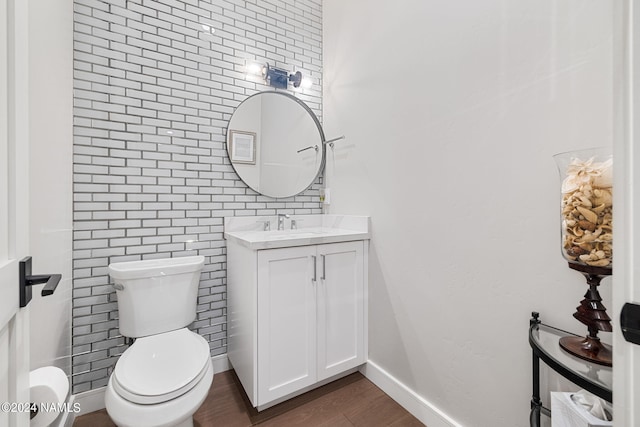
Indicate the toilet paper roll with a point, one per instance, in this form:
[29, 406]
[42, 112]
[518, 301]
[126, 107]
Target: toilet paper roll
[48, 387]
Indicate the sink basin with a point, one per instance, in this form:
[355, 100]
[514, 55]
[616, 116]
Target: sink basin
[317, 229]
[301, 233]
[289, 234]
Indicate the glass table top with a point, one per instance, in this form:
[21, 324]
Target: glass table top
[546, 339]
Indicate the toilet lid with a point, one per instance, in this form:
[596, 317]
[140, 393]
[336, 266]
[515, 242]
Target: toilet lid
[161, 367]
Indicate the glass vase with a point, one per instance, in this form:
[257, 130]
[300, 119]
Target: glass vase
[586, 214]
[587, 206]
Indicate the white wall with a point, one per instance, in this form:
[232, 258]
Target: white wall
[51, 156]
[452, 111]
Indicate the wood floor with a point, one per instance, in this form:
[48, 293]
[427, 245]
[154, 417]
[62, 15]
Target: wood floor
[350, 401]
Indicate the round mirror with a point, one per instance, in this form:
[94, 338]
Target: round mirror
[275, 144]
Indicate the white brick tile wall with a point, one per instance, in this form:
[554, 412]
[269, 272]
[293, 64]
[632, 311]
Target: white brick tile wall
[142, 69]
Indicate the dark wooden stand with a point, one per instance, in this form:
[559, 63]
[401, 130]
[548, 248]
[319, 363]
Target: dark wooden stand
[593, 314]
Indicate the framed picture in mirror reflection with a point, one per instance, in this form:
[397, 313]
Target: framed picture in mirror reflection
[242, 147]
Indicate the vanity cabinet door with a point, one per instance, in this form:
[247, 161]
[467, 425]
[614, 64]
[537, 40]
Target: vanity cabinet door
[340, 293]
[286, 320]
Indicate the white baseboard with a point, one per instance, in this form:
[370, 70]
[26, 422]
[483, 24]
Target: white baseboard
[220, 363]
[93, 400]
[419, 407]
[90, 401]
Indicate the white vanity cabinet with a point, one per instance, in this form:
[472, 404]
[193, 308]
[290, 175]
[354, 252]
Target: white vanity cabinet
[297, 316]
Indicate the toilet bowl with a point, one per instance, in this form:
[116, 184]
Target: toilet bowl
[165, 375]
[160, 381]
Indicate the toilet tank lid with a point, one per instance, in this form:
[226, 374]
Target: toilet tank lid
[155, 267]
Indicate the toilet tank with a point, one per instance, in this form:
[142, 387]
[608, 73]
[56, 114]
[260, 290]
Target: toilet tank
[156, 296]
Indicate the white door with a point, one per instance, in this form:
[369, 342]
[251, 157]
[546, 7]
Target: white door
[626, 277]
[340, 308]
[14, 215]
[286, 321]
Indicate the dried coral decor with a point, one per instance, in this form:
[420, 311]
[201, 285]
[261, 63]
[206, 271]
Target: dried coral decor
[593, 314]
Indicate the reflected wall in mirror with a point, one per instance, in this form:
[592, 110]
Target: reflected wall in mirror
[275, 144]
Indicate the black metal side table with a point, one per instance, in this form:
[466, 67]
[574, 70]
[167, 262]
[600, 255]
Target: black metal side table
[544, 341]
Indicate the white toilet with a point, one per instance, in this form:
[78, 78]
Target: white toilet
[165, 375]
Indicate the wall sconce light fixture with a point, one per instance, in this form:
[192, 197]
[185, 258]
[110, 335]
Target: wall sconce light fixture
[277, 77]
[280, 78]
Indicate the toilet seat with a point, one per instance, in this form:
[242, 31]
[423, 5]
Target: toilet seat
[172, 413]
[161, 367]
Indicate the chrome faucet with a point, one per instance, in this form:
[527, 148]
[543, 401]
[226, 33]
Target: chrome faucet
[281, 218]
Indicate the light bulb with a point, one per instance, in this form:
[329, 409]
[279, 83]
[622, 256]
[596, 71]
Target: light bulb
[255, 69]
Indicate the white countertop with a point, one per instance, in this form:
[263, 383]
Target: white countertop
[312, 230]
